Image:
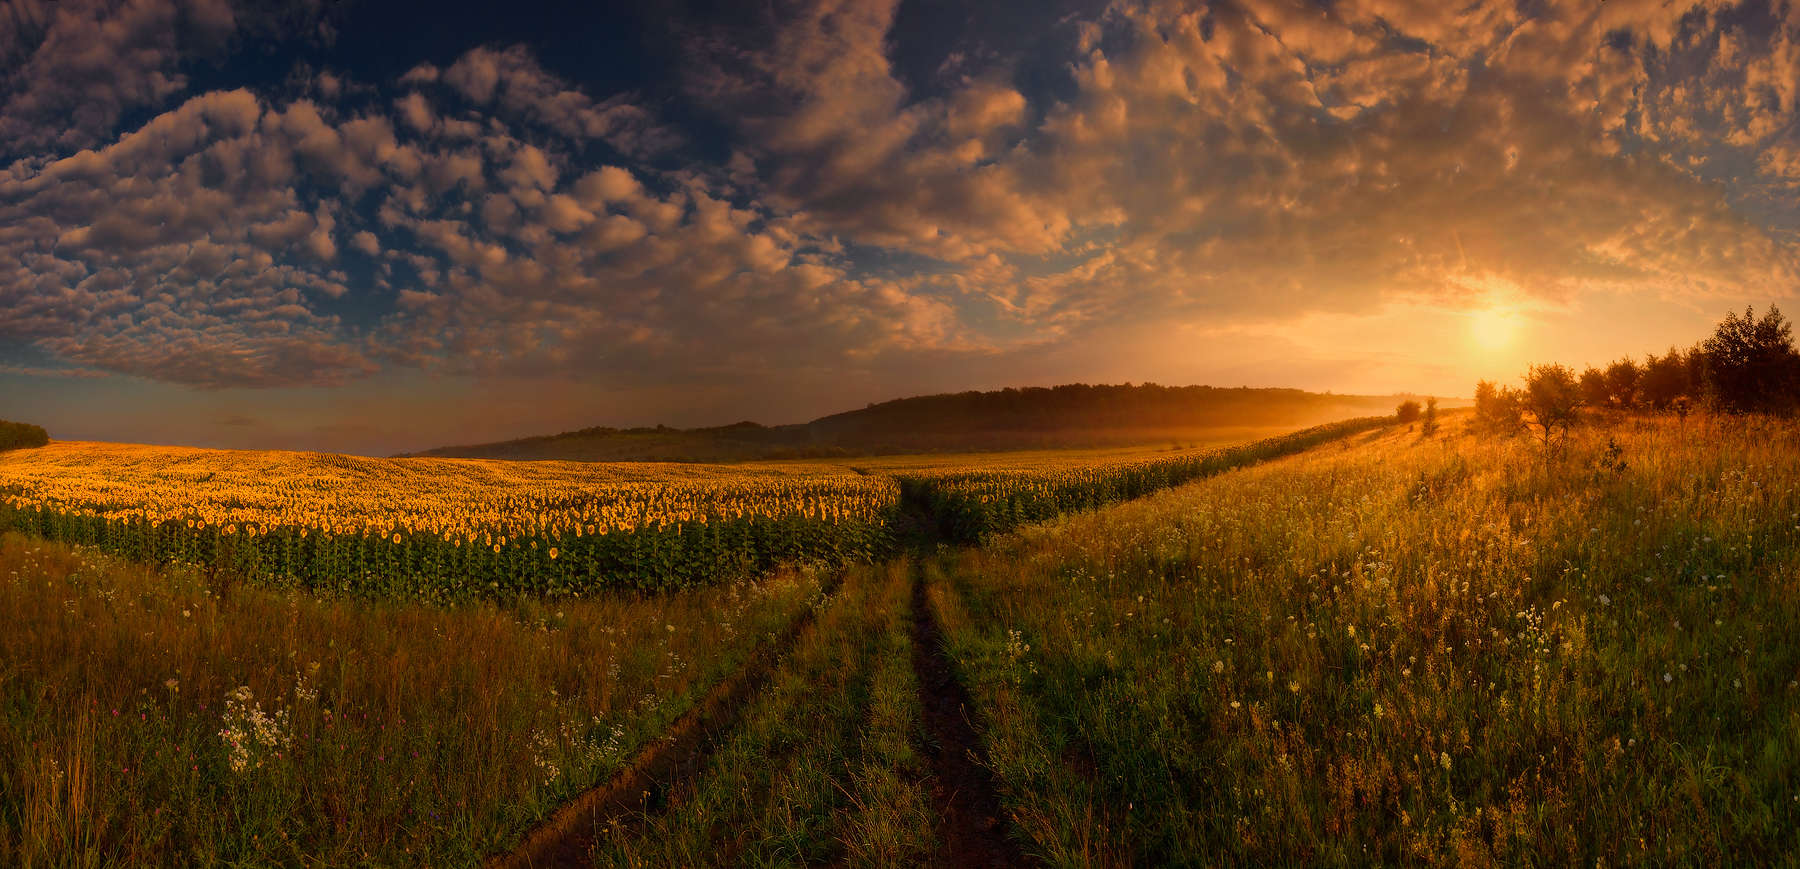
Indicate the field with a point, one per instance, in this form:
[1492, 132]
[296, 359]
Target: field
[1395, 651]
[450, 529]
[149, 718]
[444, 528]
[1351, 645]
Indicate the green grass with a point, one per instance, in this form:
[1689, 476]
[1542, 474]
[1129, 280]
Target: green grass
[394, 733]
[1407, 651]
[824, 766]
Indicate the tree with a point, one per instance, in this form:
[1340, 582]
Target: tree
[1594, 388]
[1552, 400]
[1752, 364]
[1428, 425]
[1663, 379]
[1622, 383]
[20, 435]
[1408, 411]
[1497, 409]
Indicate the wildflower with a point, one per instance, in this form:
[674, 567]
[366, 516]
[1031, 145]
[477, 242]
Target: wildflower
[1668, 678]
[553, 553]
[1444, 760]
[251, 735]
[172, 684]
[1218, 666]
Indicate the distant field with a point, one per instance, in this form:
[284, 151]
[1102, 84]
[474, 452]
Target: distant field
[1156, 446]
[449, 528]
[1071, 416]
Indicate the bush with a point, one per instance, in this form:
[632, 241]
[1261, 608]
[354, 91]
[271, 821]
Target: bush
[19, 435]
[1408, 411]
[1553, 398]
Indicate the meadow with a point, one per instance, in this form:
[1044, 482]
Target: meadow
[1347, 646]
[1395, 650]
[148, 717]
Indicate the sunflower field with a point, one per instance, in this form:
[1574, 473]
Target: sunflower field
[448, 529]
[443, 528]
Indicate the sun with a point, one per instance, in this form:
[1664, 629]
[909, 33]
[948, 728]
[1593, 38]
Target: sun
[1494, 328]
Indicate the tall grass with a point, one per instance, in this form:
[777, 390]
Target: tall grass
[1406, 651]
[147, 718]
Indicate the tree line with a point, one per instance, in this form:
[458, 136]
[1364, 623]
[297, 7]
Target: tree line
[20, 435]
[1748, 365]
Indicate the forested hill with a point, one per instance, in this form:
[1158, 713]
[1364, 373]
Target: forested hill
[1074, 415]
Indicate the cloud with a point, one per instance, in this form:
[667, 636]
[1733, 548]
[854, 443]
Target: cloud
[71, 69]
[515, 86]
[207, 248]
[1236, 165]
[1265, 159]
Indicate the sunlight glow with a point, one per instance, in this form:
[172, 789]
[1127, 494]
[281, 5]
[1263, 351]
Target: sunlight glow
[1494, 328]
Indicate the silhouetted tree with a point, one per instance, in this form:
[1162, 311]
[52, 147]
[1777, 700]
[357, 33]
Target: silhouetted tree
[1552, 400]
[1594, 388]
[1622, 383]
[1408, 411]
[1664, 379]
[1428, 424]
[1751, 363]
[20, 435]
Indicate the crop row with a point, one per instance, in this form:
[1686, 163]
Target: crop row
[970, 506]
[534, 541]
[413, 563]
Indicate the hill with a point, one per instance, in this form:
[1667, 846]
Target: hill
[1070, 416]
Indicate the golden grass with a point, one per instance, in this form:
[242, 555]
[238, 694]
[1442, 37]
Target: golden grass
[1400, 651]
[368, 733]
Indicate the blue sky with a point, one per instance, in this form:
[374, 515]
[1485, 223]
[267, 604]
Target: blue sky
[370, 227]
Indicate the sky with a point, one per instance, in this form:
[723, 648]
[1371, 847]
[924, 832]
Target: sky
[371, 227]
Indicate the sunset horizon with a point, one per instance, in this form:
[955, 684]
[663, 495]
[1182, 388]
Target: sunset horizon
[319, 227]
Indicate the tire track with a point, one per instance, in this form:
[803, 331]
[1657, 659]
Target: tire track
[567, 836]
[972, 825]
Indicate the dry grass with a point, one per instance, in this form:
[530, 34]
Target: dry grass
[367, 733]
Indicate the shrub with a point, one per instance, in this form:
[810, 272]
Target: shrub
[1408, 411]
[1553, 398]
